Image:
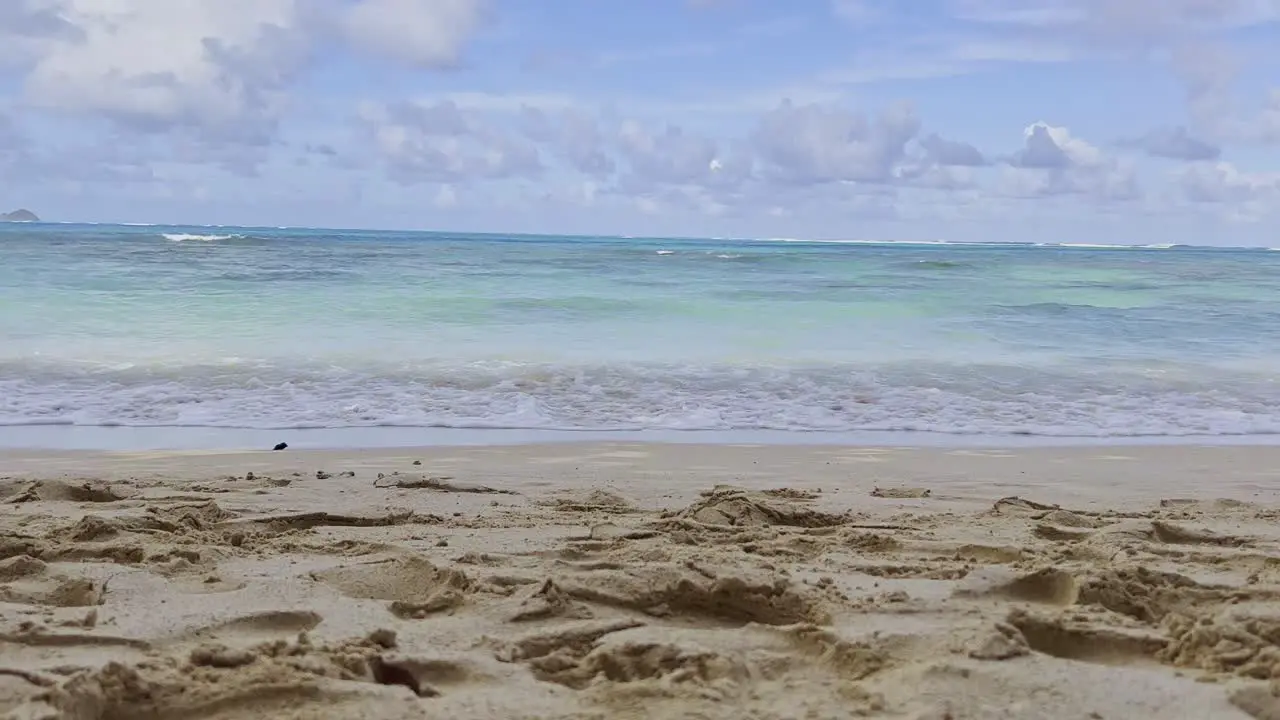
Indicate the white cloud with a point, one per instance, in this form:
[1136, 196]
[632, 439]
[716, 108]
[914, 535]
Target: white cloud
[1191, 36]
[1132, 17]
[223, 66]
[1175, 143]
[191, 86]
[856, 12]
[1267, 128]
[420, 142]
[812, 144]
[428, 33]
[669, 155]
[1053, 162]
[950, 153]
[574, 135]
[446, 197]
[220, 65]
[1222, 182]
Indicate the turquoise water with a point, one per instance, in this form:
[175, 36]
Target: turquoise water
[255, 328]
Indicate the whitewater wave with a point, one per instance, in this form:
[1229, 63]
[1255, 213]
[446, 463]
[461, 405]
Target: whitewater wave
[869, 242]
[961, 400]
[192, 237]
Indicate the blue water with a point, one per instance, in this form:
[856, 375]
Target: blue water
[167, 327]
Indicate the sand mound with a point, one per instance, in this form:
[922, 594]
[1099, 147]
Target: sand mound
[901, 493]
[196, 521]
[1066, 518]
[268, 623]
[788, 493]
[1021, 506]
[215, 678]
[740, 602]
[425, 677]
[592, 500]
[82, 492]
[92, 528]
[20, 566]
[1243, 641]
[54, 591]
[307, 520]
[731, 506]
[1167, 532]
[1003, 642]
[668, 590]
[636, 662]
[1143, 594]
[1061, 534]
[1072, 639]
[414, 586]
[546, 601]
[1258, 701]
[1050, 586]
[439, 483]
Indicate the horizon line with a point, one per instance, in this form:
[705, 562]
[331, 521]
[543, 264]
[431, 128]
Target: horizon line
[602, 236]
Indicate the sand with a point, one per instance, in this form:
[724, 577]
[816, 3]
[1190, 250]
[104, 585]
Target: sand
[629, 581]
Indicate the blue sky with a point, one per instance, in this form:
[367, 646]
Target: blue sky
[1148, 121]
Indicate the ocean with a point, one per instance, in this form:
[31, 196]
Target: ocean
[273, 331]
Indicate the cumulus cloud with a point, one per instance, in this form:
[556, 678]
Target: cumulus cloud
[1045, 148]
[26, 24]
[1189, 34]
[792, 153]
[439, 142]
[814, 144]
[573, 135]
[68, 162]
[1267, 128]
[206, 83]
[1134, 18]
[1222, 182]
[793, 156]
[951, 153]
[665, 168]
[428, 33]
[668, 155]
[219, 65]
[1175, 143]
[222, 66]
[1053, 162]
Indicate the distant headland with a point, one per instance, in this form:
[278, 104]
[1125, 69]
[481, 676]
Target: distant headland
[19, 216]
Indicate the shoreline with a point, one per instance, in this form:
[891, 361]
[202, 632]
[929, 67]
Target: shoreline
[628, 579]
[130, 439]
[1091, 475]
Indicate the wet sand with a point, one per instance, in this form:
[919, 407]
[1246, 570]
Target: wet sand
[630, 580]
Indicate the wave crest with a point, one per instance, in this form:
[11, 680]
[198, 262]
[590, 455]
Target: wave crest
[193, 237]
[936, 398]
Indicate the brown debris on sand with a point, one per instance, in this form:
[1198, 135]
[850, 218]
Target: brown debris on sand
[442, 483]
[726, 505]
[579, 599]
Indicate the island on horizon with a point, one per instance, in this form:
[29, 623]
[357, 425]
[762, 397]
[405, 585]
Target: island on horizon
[20, 215]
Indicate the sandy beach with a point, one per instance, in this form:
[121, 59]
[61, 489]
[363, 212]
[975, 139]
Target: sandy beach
[632, 580]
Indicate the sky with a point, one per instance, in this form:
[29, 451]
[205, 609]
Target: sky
[1109, 121]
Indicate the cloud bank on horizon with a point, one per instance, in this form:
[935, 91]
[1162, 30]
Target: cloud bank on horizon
[1141, 121]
